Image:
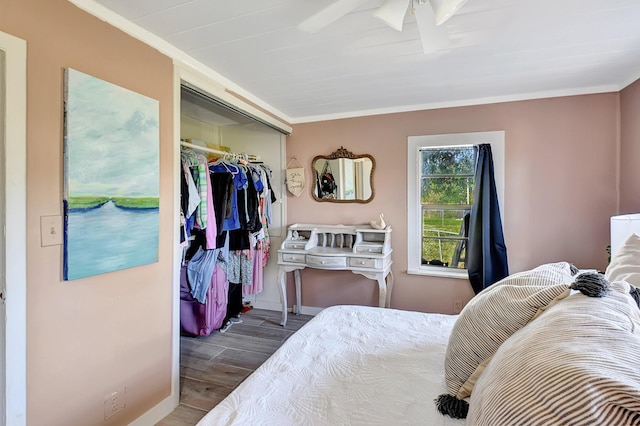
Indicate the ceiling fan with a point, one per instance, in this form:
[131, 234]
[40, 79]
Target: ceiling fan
[429, 15]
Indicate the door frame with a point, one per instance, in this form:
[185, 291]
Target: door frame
[15, 234]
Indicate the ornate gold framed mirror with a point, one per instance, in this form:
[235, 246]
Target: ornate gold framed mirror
[343, 177]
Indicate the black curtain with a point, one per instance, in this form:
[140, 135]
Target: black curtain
[486, 251]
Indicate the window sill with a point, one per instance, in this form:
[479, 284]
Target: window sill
[440, 272]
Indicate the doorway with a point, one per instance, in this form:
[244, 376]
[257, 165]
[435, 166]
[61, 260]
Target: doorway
[13, 91]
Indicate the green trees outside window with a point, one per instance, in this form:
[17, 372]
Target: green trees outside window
[446, 195]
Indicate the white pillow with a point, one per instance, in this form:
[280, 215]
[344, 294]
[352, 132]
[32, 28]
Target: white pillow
[625, 264]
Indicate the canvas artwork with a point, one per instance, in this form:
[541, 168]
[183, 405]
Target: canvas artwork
[111, 177]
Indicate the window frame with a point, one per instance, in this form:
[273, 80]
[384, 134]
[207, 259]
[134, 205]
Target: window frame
[414, 209]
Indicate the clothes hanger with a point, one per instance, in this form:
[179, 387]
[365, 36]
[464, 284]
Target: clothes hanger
[229, 167]
[191, 157]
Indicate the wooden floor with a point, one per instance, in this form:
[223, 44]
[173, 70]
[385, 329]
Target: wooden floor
[212, 366]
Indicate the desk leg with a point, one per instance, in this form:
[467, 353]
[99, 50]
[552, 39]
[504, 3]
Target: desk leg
[282, 280]
[296, 277]
[382, 291]
[389, 280]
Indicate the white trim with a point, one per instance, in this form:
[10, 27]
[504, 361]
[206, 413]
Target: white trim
[434, 271]
[459, 103]
[497, 141]
[309, 310]
[177, 248]
[179, 56]
[157, 413]
[269, 306]
[16, 227]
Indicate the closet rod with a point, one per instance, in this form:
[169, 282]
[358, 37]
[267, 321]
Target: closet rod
[232, 155]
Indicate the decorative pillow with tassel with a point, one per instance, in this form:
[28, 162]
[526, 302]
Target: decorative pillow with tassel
[577, 364]
[497, 312]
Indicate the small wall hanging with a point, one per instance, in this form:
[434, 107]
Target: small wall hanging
[111, 177]
[295, 177]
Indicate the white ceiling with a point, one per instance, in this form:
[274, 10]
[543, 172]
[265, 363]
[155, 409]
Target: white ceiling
[499, 50]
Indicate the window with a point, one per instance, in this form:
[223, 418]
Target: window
[440, 196]
[446, 192]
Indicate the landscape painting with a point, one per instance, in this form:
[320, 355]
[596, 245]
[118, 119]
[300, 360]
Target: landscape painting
[111, 177]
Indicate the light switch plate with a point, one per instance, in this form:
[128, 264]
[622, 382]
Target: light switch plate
[51, 230]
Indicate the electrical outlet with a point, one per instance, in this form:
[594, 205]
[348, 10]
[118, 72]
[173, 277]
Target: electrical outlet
[114, 402]
[458, 304]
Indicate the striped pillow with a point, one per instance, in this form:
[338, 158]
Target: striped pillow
[569, 366]
[493, 315]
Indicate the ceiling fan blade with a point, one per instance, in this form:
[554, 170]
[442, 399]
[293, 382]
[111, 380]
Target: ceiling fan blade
[392, 12]
[433, 37]
[445, 9]
[328, 15]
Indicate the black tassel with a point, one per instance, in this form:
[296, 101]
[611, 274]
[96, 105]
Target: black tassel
[574, 270]
[635, 293]
[452, 406]
[591, 284]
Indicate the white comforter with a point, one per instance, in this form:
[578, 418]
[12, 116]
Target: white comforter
[350, 365]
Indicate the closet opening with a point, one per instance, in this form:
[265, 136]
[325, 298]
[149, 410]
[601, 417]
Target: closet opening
[228, 255]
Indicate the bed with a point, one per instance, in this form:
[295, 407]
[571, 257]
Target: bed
[342, 368]
[528, 350]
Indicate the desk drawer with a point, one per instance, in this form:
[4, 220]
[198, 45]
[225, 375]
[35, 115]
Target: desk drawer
[293, 258]
[369, 248]
[363, 262]
[329, 262]
[297, 245]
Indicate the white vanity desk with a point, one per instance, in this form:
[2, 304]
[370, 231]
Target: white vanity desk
[360, 249]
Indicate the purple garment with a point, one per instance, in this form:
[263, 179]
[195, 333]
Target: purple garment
[199, 319]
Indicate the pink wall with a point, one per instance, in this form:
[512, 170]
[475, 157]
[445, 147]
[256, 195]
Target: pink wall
[89, 337]
[559, 189]
[630, 148]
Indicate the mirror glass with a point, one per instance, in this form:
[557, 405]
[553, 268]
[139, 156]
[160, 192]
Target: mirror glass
[343, 177]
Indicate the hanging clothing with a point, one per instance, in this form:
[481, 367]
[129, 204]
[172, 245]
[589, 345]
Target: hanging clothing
[196, 201]
[251, 203]
[234, 243]
[225, 214]
[199, 272]
[201, 264]
[239, 181]
[203, 189]
[234, 301]
[240, 268]
[222, 189]
[257, 283]
[263, 240]
[192, 193]
[212, 225]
